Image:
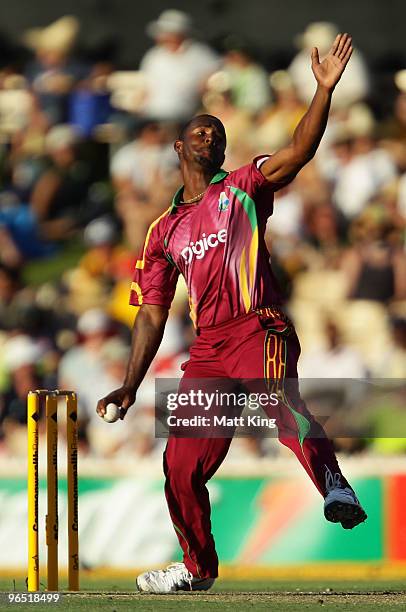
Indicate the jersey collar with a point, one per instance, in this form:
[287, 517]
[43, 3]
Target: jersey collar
[217, 178]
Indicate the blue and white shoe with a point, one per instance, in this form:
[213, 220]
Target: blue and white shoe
[176, 577]
[341, 505]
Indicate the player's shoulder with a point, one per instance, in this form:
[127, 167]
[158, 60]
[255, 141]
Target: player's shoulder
[248, 170]
[157, 229]
[154, 239]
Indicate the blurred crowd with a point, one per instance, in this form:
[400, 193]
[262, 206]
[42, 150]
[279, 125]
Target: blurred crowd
[86, 163]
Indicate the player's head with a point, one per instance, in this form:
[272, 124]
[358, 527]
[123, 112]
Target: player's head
[202, 142]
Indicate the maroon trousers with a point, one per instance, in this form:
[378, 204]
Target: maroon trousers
[261, 345]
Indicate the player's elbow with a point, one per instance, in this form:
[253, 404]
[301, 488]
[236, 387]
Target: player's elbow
[300, 156]
[156, 315]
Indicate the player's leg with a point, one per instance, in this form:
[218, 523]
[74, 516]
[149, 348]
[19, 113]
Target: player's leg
[299, 430]
[188, 464]
[257, 351]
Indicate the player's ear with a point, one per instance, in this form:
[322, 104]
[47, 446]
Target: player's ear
[178, 146]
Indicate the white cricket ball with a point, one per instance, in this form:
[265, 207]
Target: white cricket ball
[112, 413]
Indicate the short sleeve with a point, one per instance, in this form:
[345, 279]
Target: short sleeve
[155, 277]
[250, 179]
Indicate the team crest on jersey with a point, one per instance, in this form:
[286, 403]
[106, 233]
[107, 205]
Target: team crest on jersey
[224, 202]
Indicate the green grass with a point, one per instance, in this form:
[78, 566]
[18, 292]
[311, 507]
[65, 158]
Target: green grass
[227, 596]
[50, 269]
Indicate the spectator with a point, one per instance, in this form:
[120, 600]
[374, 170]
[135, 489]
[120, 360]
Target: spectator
[145, 177]
[176, 68]
[53, 73]
[149, 159]
[21, 358]
[101, 238]
[393, 361]
[26, 160]
[287, 218]
[323, 234]
[278, 122]
[354, 85]
[375, 266]
[249, 83]
[82, 367]
[335, 360]
[89, 104]
[18, 311]
[59, 199]
[394, 133]
[401, 203]
[20, 239]
[395, 127]
[362, 169]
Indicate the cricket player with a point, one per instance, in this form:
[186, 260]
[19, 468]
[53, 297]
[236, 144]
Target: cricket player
[213, 234]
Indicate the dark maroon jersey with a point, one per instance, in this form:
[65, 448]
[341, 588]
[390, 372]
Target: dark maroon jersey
[218, 245]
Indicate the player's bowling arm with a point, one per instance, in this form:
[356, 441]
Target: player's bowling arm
[146, 337]
[283, 166]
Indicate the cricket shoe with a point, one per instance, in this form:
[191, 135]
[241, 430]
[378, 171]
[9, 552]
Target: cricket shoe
[341, 505]
[176, 577]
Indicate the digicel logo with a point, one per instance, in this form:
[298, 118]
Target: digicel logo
[200, 247]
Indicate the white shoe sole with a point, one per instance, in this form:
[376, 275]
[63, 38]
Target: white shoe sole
[197, 585]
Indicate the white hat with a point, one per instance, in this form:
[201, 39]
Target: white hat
[93, 321]
[58, 36]
[19, 351]
[170, 21]
[281, 80]
[320, 34]
[99, 232]
[400, 80]
[60, 136]
[115, 350]
[219, 82]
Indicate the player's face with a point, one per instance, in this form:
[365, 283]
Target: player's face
[204, 143]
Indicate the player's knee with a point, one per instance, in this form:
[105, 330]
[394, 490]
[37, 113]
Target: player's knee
[183, 475]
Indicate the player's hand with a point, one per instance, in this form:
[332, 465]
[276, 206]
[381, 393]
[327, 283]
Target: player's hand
[123, 397]
[329, 71]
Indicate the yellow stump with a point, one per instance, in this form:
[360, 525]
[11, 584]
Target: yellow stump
[51, 525]
[32, 485]
[72, 469]
[51, 409]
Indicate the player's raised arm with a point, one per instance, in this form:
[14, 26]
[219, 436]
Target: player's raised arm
[283, 166]
[147, 335]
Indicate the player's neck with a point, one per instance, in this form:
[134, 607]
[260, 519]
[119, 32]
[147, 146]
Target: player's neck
[196, 181]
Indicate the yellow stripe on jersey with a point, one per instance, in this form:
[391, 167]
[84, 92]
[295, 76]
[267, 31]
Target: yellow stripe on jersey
[244, 283]
[253, 257]
[141, 262]
[193, 314]
[135, 287]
